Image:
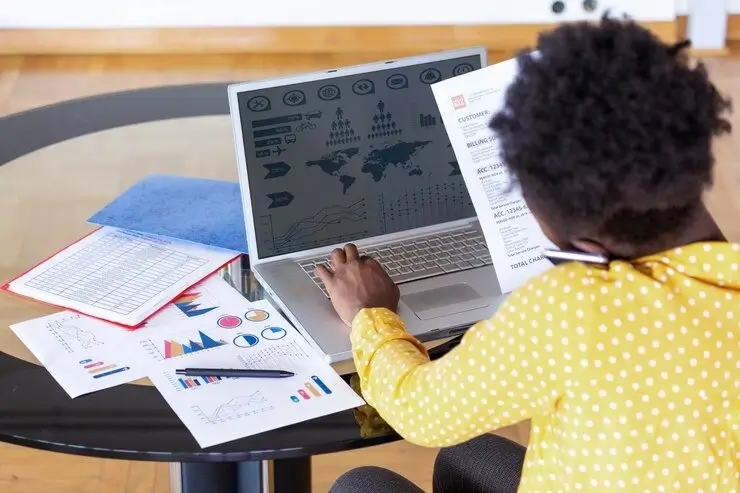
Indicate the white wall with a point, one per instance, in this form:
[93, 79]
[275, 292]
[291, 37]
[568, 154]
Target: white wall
[707, 24]
[682, 6]
[179, 13]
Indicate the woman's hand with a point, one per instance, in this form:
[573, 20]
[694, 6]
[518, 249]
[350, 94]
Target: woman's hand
[354, 282]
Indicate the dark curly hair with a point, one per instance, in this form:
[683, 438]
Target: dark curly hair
[608, 130]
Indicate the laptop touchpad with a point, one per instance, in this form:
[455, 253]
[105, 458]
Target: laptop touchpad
[443, 301]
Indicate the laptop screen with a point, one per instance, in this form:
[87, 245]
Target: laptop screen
[341, 159]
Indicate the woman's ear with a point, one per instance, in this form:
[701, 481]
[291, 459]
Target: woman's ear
[589, 246]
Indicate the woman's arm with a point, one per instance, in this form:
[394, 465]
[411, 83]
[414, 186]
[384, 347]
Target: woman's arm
[505, 370]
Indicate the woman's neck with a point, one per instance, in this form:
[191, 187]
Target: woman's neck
[702, 228]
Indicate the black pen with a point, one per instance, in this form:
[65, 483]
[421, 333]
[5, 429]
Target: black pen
[235, 373]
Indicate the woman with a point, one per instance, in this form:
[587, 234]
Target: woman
[629, 373]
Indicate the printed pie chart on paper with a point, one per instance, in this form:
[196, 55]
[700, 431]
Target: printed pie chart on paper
[257, 315]
[246, 340]
[273, 333]
[229, 322]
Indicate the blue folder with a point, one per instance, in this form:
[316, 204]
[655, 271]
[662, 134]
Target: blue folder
[199, 210]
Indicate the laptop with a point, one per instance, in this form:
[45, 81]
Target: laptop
[359, 154]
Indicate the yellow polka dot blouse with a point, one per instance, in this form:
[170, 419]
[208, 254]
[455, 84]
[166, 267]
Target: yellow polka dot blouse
[630, 374]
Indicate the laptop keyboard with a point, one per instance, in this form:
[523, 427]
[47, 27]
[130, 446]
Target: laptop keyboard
[421, 257]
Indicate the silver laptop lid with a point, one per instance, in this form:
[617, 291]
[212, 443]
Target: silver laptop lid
[346, 154]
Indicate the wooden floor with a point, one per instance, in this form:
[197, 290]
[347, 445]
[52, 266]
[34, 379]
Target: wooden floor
[27, 83]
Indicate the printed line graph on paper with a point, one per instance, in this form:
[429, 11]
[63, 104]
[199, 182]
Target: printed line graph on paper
[71, 337]
[116, 272]
[235, 408]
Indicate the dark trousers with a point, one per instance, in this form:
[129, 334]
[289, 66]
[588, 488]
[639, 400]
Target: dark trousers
[487, 464]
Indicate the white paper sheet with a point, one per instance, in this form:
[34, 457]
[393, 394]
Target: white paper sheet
[120, 276]
[467, 103]
[207, 301]
[85, 355]
[218, 410]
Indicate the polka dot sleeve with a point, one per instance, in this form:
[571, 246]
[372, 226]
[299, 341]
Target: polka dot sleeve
[506, 369]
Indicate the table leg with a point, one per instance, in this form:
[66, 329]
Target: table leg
[292, 475]
[279, 476]
[206, 477]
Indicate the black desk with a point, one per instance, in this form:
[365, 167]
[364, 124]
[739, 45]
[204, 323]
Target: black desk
[133, 421]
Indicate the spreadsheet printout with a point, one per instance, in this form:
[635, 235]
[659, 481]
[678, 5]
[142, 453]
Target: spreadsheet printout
[118, 275]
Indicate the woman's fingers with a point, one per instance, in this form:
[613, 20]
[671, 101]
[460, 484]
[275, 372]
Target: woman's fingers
[324, 273]
[351, 252]
[338, 256]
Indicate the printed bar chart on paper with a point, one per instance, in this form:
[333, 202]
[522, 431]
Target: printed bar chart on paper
[83, 354]
[315, 388]
[187, 383]
[100, 369]
[190, 383]
[218, 410]
[120, 276]
[203, 302]
[189, 305]
[171, 348]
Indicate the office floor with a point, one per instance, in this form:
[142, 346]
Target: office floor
[27, 83]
